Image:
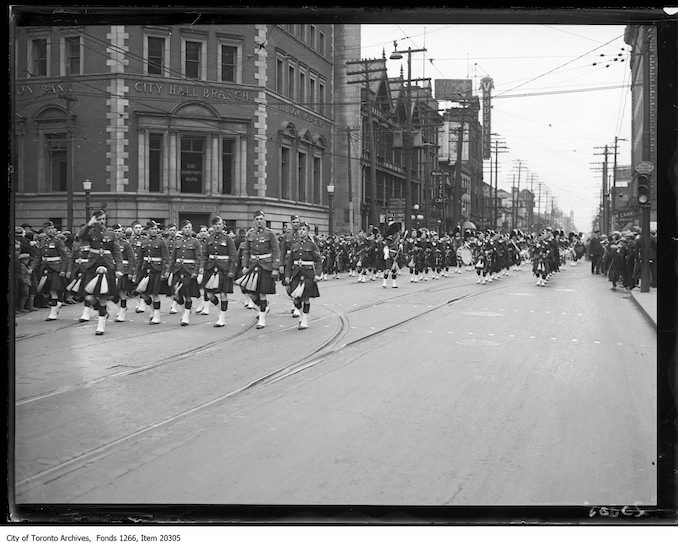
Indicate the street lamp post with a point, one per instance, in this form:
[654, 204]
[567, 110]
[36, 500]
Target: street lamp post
[87, 187]
[330, 200]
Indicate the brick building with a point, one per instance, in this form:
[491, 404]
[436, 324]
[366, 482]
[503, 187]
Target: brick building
[177, 121]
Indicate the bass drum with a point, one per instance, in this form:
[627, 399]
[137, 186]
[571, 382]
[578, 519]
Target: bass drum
[465, 255]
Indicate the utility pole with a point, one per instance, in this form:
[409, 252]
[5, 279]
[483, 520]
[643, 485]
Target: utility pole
[456, 207]
[539, 206]
[614, 182]
[604, 201]
[407, 141]
[366, 71]
[497, 151]
[350, 181]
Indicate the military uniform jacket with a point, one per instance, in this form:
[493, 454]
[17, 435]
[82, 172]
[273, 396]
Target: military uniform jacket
[286, 242]
[103, 244]
[137, 242]
[52, 254]
[187, 256]
[79, 257]
[305, 258]
[153, 254]
[261, 247]
[220, 252]
[128, 257]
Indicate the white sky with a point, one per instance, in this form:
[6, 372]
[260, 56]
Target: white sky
[559, 138]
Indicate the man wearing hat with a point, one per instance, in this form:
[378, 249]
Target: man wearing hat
[128, 264]
[220, 266]
[302, 272]
[186, 265]
[76, 273]
[103, 266]
[151, 268]
[52, 263]
[261, 254]
[287, 239]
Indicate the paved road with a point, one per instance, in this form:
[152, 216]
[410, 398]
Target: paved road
[438, 393]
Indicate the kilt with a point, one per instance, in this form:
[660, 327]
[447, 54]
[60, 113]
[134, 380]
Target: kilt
[49, 280]
[225, 285]
[91, 274]
[155, 285]
[188, 286]
[125, 285]
[310, 285]
[265, 284]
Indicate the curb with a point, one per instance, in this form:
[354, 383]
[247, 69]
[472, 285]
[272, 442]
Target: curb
[648, 316]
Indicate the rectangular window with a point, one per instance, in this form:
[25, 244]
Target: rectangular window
[193, 59]
[155, 162]
[311, 38]
[57, 160]
[279, 75]
[321, 43]
[156, 55]
[302, 87]
[302, 176]
[229, 56]
[321, 98]
[316, 180]
[285, 173]
[72, 55]
[311, 94]
[38, 65]
[290, 82]
[227, 166]
[192, 153]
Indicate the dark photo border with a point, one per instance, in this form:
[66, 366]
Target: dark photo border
[667, 138]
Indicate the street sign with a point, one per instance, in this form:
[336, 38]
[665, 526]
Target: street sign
[645, 168]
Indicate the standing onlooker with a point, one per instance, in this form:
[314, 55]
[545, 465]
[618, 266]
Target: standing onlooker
[615, 265]
[595, 250]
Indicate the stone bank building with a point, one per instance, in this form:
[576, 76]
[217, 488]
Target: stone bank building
[179, 122]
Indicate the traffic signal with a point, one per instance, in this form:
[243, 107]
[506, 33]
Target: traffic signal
[643, 189]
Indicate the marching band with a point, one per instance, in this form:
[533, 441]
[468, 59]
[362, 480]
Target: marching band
[117, 264]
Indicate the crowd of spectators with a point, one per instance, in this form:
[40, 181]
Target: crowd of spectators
[619, 257]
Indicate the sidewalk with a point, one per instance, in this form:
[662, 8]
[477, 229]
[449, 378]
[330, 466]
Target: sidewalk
[647, 302]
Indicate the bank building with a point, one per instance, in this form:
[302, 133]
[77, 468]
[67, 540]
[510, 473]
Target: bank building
[180, 122]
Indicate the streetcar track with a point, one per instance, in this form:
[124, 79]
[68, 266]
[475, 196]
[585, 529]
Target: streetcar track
[309, 360]
[220, 342]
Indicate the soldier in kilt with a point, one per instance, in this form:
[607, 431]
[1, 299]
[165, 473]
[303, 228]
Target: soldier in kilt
[187, 266]
[287, 239]
[103, 266]
[51, 263]
[301, 273]
[125, 286]
[260, 261]
[76, 273]
[151, 268]
[220, 264]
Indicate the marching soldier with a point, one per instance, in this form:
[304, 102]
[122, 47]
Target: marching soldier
[391, 254]
[128, 265]
[260, 259]
[186, 265]
[137, 241]
[301, 273]
[103, 266]
[51, 260]
[151, 268]
[287, 239]
[203, 300]
[76, 273]
[220, 267]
